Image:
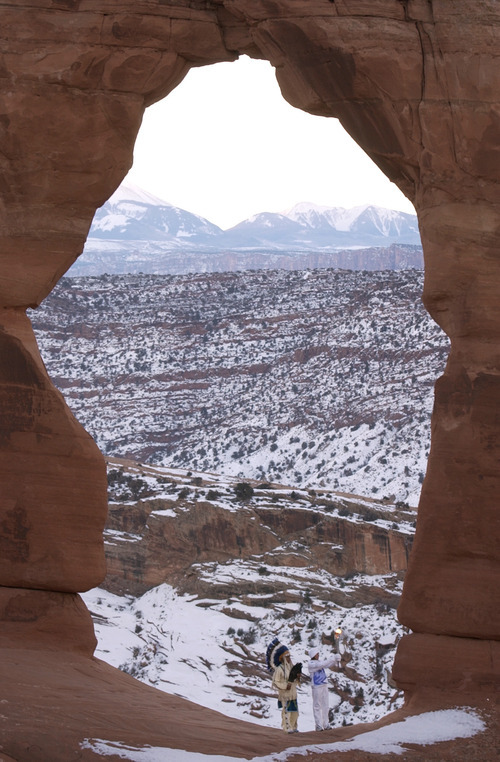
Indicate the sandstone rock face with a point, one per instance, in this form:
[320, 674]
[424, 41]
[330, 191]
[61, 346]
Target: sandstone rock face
[169, 537]
[462, 664]
[48, 621]
[52, 506]
[414, 83]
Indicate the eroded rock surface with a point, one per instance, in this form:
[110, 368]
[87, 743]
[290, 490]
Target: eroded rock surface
[52, 501]
[415, 83]
[159, 540]
[48, 621]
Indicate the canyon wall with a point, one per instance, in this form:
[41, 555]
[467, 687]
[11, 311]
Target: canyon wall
[414, 83]
[157, 541]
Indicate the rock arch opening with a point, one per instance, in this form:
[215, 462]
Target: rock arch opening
[218, 181]
[241, 149]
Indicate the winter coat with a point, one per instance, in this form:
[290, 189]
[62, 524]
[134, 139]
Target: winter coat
[316, 669]
[280, 682]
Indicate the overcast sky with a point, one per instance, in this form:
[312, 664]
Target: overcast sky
[226, 145]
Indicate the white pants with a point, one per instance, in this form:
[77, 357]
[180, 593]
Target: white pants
[320, 706]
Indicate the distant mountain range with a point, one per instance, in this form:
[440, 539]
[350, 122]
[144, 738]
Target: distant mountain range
[136, 232]
[307, 226]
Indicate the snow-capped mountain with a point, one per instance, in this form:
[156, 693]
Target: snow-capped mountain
[132, 214]
[310, 226]
[264, 230]
[369, 220]
[135, 231]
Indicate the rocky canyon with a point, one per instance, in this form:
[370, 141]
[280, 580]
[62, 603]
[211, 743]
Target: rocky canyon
[415, 84]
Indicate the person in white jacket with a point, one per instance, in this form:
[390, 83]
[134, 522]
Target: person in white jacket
[319, 685]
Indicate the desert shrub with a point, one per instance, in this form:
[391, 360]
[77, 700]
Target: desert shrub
[243, 491]
[249, 637]
[124, 486]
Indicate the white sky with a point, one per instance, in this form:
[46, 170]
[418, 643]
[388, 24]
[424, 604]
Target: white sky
[226, 145]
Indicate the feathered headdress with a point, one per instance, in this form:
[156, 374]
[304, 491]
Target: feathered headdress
[274, 650]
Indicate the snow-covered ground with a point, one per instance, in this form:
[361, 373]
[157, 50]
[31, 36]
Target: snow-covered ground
[320, 378]
[209, 646]
[193, 648]
[422, 730]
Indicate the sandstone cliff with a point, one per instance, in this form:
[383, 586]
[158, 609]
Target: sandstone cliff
[161, 538]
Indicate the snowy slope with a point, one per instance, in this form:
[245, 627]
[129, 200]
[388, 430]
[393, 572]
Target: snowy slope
[210, 649]
[207, 642]
[192, 649]
[421, 730]
[309, 378]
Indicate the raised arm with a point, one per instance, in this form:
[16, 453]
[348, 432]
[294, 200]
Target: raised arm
[330, 663]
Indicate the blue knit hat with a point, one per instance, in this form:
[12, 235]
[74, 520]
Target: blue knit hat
[275, 651]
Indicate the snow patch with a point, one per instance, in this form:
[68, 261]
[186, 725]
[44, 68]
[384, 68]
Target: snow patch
[130, 192]
[424, 729]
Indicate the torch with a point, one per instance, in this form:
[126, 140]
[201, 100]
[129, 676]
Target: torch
[338, 639]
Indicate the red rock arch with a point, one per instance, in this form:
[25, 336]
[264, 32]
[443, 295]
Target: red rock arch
[414, 82]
